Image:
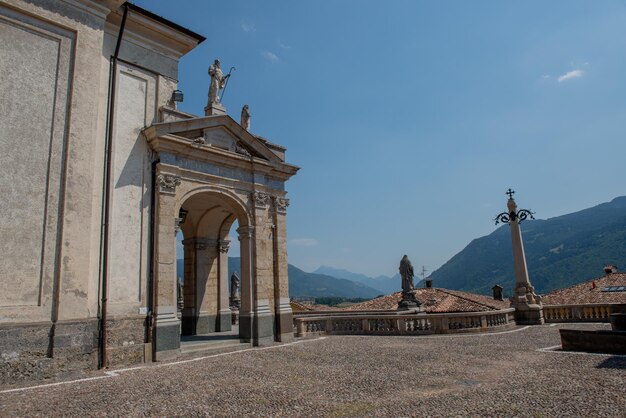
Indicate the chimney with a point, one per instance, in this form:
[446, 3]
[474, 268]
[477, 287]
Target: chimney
[497, 292]
[610, 269]
[429, 283]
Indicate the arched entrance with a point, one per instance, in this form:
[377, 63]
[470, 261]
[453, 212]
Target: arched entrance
[205, 219]
[226, 174]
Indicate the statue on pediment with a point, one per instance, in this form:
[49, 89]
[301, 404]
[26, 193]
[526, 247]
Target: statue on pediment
[218, 81]
[245, 117]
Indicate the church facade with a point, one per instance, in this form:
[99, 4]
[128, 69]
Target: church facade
[101, 171]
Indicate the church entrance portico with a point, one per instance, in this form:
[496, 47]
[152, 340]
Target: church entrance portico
[202, 190]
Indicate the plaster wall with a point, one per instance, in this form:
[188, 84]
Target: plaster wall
[130, 216]
[48, 131]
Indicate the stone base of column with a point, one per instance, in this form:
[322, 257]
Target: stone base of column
[286, 327]
[224, 320]
[265, 328]
[245, 327]
[285, 321]
[529, 314]
[257, 329]
[167, 338]
[206, 323]
[188, 324]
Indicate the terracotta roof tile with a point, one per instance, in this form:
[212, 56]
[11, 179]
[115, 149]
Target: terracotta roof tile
[586, 293]
[435, 300]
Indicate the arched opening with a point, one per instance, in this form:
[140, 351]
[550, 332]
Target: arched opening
[207, 237]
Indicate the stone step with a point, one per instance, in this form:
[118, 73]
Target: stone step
[213, 347]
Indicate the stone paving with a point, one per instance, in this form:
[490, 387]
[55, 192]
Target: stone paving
[457, 375]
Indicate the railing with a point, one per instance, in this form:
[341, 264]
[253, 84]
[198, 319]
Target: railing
[578, 313]
[385, 323]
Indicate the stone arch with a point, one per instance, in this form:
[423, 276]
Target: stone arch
[234, 201]
[211, 211]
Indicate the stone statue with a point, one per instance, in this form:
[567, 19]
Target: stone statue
[234, 286]
[406, 272]
[218, 80]
[245, 117]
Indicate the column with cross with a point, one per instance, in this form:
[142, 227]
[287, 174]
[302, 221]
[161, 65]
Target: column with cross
[527, 304]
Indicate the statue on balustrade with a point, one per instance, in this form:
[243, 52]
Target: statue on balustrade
[406, 272]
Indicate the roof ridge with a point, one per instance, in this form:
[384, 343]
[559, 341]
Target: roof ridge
[462, 297]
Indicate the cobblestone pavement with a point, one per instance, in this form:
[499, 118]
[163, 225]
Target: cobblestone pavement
[469, 375]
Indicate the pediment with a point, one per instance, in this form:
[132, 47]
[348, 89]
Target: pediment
[222, 138]
[219, 132]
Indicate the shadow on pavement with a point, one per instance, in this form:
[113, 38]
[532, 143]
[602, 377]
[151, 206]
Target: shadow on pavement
[613, 363]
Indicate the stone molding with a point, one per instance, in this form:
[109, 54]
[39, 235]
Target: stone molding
[223, 246]
[261, 200]
[168, 183]
[205, 243]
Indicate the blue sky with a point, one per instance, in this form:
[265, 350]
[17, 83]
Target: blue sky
[410, 119]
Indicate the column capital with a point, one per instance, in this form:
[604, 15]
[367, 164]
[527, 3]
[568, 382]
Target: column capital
[245, 232]
[261, 200]
[168, 182]
[281, 204]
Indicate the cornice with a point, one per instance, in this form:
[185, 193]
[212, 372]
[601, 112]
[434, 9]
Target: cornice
[149, 33]
[186, 148]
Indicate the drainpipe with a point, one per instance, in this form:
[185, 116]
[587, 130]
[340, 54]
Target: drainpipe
[104, 260]
[152, 284]
[275, 266]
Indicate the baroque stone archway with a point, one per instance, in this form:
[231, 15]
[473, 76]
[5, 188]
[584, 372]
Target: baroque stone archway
[236, 176]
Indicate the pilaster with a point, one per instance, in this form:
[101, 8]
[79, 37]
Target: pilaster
[282, 307]
[167, 322]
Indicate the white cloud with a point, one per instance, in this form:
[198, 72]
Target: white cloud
[304, 242]
[270, 56]
[283, 45]
[570, 74]
[248, 27]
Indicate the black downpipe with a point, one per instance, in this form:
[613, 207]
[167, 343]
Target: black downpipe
[107, 196]
[151, 319]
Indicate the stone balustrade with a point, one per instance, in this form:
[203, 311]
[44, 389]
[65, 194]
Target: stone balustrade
[592, 312]
[391, 323]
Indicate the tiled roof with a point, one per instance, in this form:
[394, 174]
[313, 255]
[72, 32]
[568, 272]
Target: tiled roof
[305, 307]
[585, 292]
[298, 307]
[436, 300]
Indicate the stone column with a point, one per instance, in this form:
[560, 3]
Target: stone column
[206, 285]
[263, 292]
[189, 288]
[528, 306]
[167, 336]
[282, 307]
[224, 320]
[246, 311]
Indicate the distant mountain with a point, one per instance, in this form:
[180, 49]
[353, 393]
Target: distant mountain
[303, 284]
[384, 284]
[560, 252]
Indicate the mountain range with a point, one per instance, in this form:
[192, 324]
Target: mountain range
[310, 285]
[384, 284]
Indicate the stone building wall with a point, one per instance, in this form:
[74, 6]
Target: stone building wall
[56, 72]
[55, 66]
